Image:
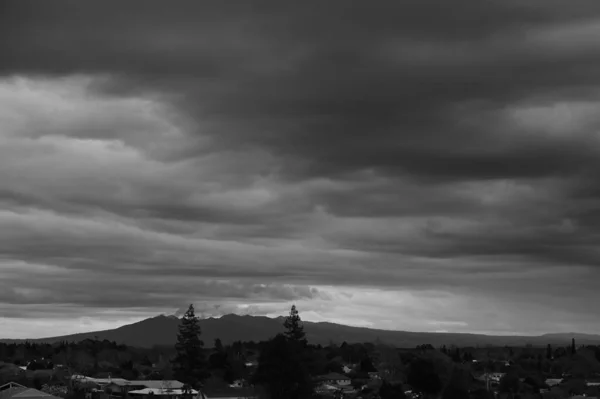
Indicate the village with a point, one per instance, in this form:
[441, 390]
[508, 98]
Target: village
[287, 366]
[486, 378]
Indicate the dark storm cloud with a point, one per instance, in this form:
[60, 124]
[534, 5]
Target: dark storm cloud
[334, 89]
[402, 145]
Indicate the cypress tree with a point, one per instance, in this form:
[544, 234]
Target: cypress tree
[189, 365]
[284, 361]
[293, 325]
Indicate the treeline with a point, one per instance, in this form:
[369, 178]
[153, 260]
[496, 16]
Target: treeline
[88, 357]
[285, 366]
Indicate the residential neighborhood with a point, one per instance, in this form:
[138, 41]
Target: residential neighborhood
[94, 369]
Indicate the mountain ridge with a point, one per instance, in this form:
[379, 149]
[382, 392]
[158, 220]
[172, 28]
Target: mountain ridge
[161, 330]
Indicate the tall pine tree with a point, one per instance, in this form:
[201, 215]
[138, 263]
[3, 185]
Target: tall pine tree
[294, 328]
[283, 364]
[189, 365]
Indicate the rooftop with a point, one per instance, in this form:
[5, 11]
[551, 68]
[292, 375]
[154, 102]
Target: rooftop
[159, 391]
[157, 384]
[14, 390]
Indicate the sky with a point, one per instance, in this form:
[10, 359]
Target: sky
[420, 165]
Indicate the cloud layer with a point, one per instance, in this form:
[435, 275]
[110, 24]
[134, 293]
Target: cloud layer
[398, 165]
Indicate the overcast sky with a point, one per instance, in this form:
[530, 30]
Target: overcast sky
[417, 165]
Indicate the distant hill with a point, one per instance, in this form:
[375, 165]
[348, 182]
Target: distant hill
[162, 330]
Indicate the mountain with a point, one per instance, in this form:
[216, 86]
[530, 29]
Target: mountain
[162, 330]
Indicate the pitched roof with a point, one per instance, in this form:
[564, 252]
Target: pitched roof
[9, 385]
[159, 391]
[115, 381]
[158, 384]
[15, 391]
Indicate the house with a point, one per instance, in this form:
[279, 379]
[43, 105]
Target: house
[153, 388]
[491, 377]
[334, 383]
[121, 385]
[86, 383]
[334, 379]
[157, 384]
[12, 390]
[113, 385]
[147, 393]
[553, 381]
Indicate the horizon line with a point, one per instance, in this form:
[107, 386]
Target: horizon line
[489, 334]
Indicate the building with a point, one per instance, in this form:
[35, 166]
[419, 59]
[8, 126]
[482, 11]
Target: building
[593, 382]
[171, 393]
[156, 384]
[491, 377]
[112, 385]
[334, 383]
[335, 379]
[120, 385]
[12, 390]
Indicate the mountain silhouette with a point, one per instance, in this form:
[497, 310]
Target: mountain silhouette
[162, 330]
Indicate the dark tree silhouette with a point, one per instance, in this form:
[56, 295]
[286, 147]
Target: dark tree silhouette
[284, 362]
[549, 352]
[455, 391]
[457, 387]
[293, 325]
[573, 350]
[509, 383]
[189, 365]
[280, 372]
[455, 355]
[391, 391]
[367, 366]
[218, 360]
[423, 377]
[218, 345]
